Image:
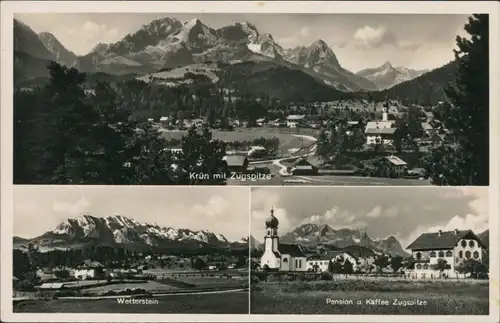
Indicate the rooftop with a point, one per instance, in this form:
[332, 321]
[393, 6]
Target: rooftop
[293, 250]
[235, 160]
[442, 240]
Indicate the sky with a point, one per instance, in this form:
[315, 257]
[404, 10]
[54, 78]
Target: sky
[360, 41]
[402, 212]
[38, 209]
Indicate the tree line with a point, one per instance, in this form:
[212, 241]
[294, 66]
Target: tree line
[68, 133]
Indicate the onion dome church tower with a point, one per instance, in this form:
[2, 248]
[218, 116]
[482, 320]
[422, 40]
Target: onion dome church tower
[271, 257]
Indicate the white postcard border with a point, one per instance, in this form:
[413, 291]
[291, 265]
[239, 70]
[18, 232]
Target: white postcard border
[383, 7]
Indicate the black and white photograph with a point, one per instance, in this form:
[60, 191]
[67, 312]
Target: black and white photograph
[406, 251]
[130, 249]
[248, 98]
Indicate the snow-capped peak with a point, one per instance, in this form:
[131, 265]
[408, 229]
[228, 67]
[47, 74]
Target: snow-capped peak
[124, 230]
[386, 65]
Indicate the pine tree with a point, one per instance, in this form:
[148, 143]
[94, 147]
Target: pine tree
[464, 159]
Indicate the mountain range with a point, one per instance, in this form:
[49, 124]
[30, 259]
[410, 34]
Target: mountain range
[351, 240]
[386, 75]
[118, 230]
[310, 235]
[169, 43]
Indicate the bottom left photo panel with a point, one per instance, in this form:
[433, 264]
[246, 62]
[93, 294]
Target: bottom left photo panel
[130, 249]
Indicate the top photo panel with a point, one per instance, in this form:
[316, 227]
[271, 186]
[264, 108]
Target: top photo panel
[251, 99]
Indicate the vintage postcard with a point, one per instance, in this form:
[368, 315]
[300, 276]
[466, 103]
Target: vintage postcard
[395, 251]
[237, 161]
[244, 98]
[130, 250]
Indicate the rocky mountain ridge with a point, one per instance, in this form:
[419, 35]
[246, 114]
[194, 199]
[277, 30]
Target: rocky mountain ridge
[119, 230]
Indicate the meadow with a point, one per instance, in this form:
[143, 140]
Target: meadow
[371, 297]
[288, 138]
[206, 303]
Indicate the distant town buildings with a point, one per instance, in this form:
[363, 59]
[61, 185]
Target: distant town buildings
[89, 269]
[293, 120]
[381, 132]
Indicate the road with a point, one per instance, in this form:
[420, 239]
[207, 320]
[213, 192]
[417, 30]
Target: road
[333, 180]
[283, 178]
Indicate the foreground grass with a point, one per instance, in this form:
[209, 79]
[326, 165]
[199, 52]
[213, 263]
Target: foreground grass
[224, 303]
[436, 298]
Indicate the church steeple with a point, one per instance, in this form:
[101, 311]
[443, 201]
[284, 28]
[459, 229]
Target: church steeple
[272, 221]
[271, 240]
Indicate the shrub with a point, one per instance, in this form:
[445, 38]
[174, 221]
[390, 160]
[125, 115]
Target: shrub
[326, 276]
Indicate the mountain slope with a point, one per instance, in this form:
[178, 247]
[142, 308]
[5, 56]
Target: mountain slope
[427, 89]
[119, 230]
[29, 67]
[27, 41]
[283, 82]
[61, 54]
[386, 76]
[311, 234]
[318, 58]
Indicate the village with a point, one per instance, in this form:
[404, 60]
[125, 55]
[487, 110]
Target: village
[381, 143]
[142, 274]
[457, 254]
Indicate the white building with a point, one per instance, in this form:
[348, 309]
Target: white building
[260, 122]
[396, 165]
[293, 120]
[257, 151]
[282, 257]
[454, 247]
[89, 270]
[381, 132]
[321, 264]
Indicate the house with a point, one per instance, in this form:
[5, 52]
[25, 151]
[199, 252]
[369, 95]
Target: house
[260, 122]
[303, 167]
[51, 286]
[276, 123]
[454, 247]
[381, 132]
[293, 120]
[354, 124]
[257, 151]
[236, 163]
[318, 264]
[393, 165]
[164, 120]
[321, 263]
[277, 256]
[428, 129]
[89, 270]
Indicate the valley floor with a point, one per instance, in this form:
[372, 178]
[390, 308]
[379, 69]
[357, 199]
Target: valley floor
[371, 297]
[222, 302]
[333, 180]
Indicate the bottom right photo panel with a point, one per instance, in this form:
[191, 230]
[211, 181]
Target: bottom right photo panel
[366, 250]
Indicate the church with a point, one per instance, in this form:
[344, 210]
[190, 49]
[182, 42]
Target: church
[281, 257]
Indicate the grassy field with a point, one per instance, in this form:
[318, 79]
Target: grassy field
[221, 303]
[287, 140]
[149, 286]
[323, 180]
[428, 297]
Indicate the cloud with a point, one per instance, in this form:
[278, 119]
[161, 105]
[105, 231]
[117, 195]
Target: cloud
[71, 209]
[403, 213]
[215, 207]
[296, 38]
[378, 37]
[91, 33]
[375, 213]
